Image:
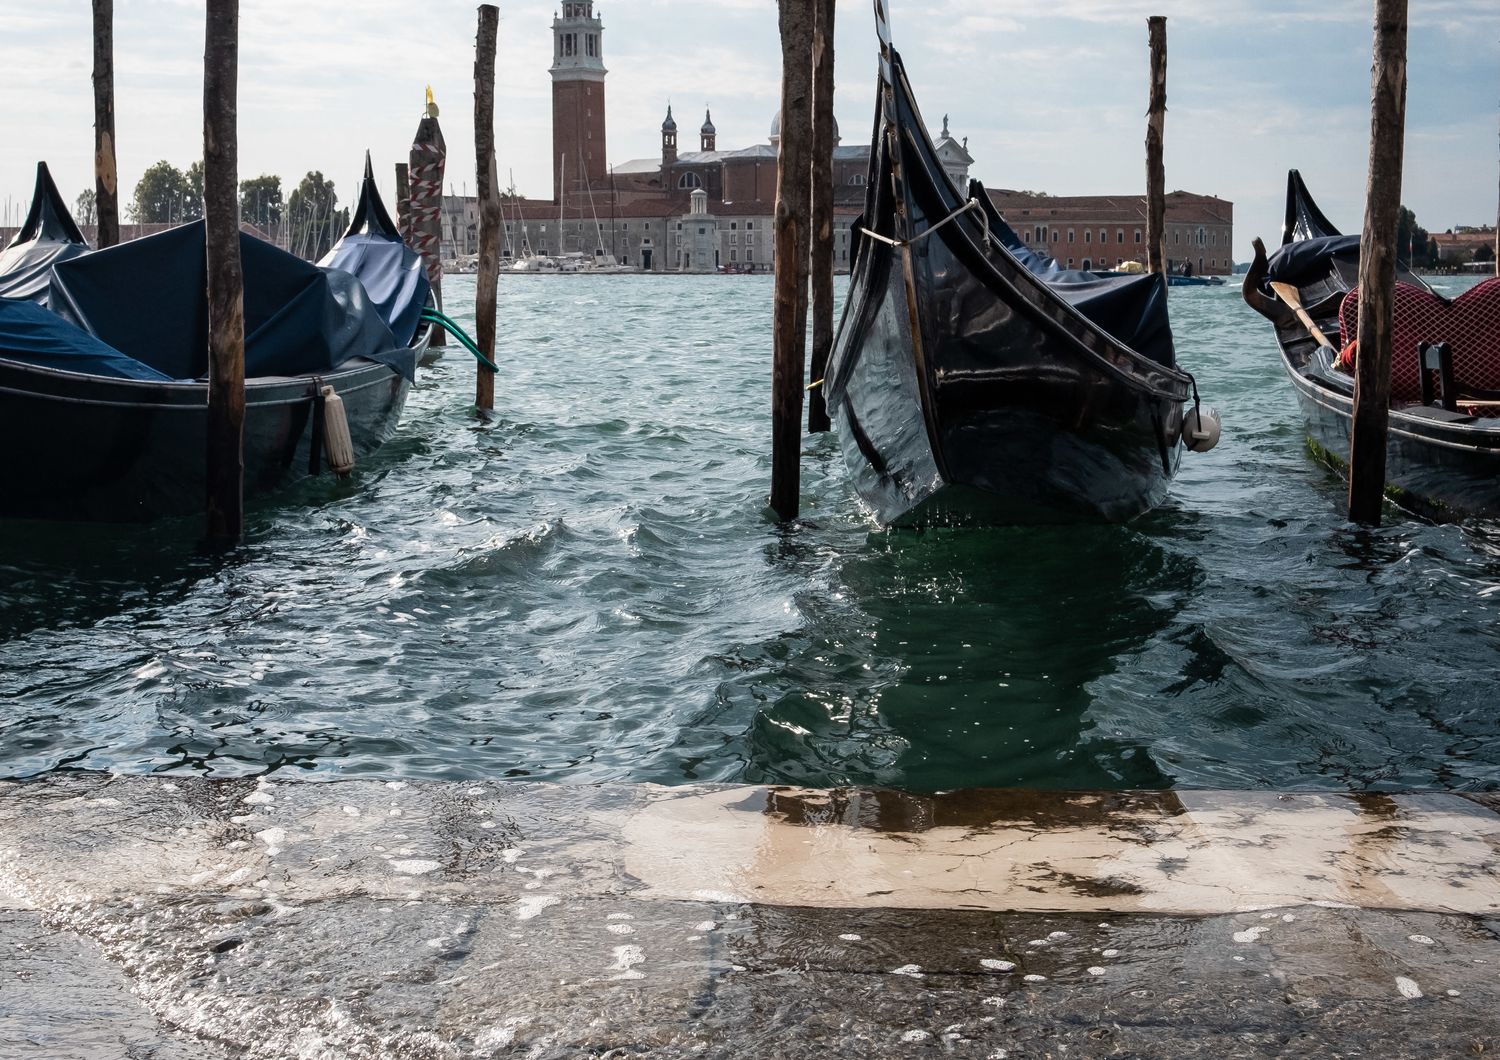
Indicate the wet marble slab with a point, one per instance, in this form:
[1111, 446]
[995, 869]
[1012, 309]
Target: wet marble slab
[362, 919]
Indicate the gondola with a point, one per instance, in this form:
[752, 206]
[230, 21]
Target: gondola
[49, 236]
[103, 395]
[974, 382]
[1443, 447]
[394, 275]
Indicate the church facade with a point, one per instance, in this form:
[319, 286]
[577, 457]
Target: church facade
[702, 210]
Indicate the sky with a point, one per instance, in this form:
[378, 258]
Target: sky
[1051, 96]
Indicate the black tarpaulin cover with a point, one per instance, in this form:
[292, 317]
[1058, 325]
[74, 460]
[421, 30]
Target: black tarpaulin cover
[1307, 260]
[1131, 308]
[147, 299]
[392, 273]
[48, 237]
[33, 335]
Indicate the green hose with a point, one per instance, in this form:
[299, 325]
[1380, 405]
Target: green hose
[432, 316]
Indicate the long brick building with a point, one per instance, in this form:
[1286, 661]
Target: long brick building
[1103, 231]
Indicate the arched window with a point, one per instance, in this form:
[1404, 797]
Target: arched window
[1087, 235]
[857, 180]
[1054, 235]
[1137, 235]
[1120, 236]
[1202, 236]
[689, 180]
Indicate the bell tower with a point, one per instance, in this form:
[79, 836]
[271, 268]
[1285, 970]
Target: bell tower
[577, 97]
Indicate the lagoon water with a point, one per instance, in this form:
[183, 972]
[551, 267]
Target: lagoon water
[587, 588]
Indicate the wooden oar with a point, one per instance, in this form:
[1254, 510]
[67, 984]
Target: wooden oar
[1289, 294]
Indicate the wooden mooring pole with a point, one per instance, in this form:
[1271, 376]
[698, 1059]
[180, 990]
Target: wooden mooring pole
[793, 194]
[490, 221]
[226, 315]
[428, 159]
[1156, 174]
[822, 212]
[403, 203]
[1377, 264]
[106, 182]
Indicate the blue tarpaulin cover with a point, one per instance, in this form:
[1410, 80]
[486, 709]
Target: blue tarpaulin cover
[1132, 308]
[147, 299]
[48, 237]
[391, 272]
[33, 335]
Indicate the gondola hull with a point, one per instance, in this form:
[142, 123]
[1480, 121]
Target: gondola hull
[89, 448]
[1008, 428]
[971, 387]
[1438, 464]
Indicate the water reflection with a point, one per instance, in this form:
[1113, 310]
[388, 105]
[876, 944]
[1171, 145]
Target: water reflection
[951, 659]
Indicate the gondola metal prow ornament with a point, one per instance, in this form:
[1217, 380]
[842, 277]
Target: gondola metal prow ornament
[972, 204]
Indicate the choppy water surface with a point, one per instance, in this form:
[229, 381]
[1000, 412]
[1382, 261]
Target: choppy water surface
[587, 588]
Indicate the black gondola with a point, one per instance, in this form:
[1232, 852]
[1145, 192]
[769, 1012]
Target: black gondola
[971, 380]
[1443, 447]
[392, 273]
[48, 237]
[103, 400]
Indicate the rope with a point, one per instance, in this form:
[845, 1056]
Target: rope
[432, 316]
[972, 204]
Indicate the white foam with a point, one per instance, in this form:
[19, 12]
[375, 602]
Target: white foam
[996, 965]
[274, 839]
[851, 937]
[415, 866]
[621, 929]
[912, 970]
[915, 1036]
[1250, 934]
[705, 926]
[531, 905]
[619, 916]
[719, 896]
[1422, 939]
[1036, 978]
[259, 798]
[626, 958]
[352, 811]
[1408, 988]
[1111, 953]
[1096, 970]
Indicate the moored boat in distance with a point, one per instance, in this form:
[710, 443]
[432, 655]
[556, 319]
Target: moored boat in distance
[974, 382]
[1443, 446]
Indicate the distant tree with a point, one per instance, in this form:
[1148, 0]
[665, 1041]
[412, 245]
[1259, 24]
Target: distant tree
[312, 216]
[260, 201]
[192, 203]
[166, 195]
[1411, 238]
[84, 209]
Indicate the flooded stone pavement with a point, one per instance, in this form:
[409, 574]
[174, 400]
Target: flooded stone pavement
[142, 917]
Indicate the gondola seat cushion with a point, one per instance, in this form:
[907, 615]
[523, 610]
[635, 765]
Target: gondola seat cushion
[1470, 324]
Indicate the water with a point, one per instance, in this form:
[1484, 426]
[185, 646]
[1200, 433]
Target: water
[588, 588]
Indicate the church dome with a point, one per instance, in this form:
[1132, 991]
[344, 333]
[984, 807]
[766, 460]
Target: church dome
[708, 124]
[670, 125]
[776, 128]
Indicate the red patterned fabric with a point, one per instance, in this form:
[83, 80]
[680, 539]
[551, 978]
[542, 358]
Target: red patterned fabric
[1470, 325]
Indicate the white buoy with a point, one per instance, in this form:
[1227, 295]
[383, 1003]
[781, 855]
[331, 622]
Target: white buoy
[337, 443]
[1200, 429]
